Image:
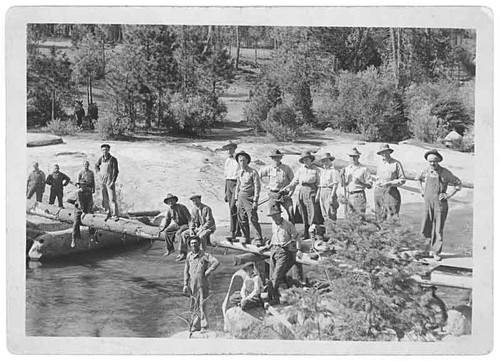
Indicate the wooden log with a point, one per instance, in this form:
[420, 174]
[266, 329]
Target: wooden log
[98, 221]
[144, 213]
[241, 259]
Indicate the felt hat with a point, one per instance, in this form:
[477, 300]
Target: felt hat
[194, 238]
[248, 264]
[276, 154]
[195, 196]
[385, 148]
[244, 154]
[273, 210]
[106, 146]
[170, 196]
[326, 155]
[305, 154]
[435, 152]
[354, 152]
[229, 145]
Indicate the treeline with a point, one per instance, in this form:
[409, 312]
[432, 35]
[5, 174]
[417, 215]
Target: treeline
[384, 83]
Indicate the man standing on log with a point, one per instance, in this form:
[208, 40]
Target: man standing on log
[107, 168]
[202, 225]
[434, 183]
[280, 175]
[285, 248]
[197, 268]
[231, 168]
[356, 179]
[176, 221]
[57, 181]
[36, 183]
[390, 175]
[328, 184]
[247, 196]
[86, 187]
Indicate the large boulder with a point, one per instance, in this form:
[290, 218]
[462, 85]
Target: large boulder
[452, 138]
[459, 321]
[239, 323]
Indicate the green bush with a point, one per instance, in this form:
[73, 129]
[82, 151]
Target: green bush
[424, 126]
[282, 123]
[195, 114]
[60, 127]
[367, 103]
[114, 128]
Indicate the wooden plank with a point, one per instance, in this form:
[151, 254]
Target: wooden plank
[452, 261]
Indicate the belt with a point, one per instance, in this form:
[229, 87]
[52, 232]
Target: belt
[361, 191]
[331, 187]
[308, 185]
[232, 180]
[274, 190]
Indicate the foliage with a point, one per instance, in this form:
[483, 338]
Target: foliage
[60, 127]
[282, 123]
[113, 128]
[367, 103]
[365, 290]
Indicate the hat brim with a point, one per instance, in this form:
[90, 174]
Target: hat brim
[237, 156]
[229, 146]
[273, 213]
[301, 160]
[354, 154]
[173, 197]
[385, 150]
[331, 158]
[248, 264]
[434, 153]
[276, 156]
[194, 197]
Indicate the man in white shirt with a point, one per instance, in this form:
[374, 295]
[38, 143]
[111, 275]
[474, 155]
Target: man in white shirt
[328, 183]
[231, 175]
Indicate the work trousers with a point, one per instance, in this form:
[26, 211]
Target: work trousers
[308, 207]
[235, 299]
[245, 213]
[77, 221]
[387, 202]
[109, 201]
[327, 206]
[173, 232]
[281, 261]
[435, 215]
[357, 203]
[204, 237]
[56, 193]
[285, 201]
[37, 191]
[233, 210]
[85, 200]
[198, 306]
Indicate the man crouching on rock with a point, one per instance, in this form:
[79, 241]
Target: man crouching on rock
[249, 295]
[284, 247]
[199, 265]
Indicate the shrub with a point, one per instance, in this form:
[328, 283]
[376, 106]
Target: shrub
[193, 114]
[368, 103]
[114, 128]
[60, 127]
[282, 123]
[424, 126]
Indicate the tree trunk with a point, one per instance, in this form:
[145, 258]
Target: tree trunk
[255, 47]
[238, 44]
[394, 59]
[123, 225]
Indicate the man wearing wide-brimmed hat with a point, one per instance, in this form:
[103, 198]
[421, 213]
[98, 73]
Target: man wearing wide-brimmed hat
[249, 295]
[285, 248]
[175, 222]
[280, 175]
[107, 169]
[328, 183]
[390, 175]
[434, 182]
[202, 225]
[307, 176]
[231, 168]
[356, 179]
[247, 196]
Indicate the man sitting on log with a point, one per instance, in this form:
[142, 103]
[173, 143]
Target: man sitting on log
[57, 181]
[176, 221]
[249, 295]
[285, 247]
[202, 225]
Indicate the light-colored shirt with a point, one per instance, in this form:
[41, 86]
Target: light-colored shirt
[354, 173]
[328, 177]
[279, 176]
[248, 182]
[194, 270]
[306, 176]
[202, 218]
[445, 177]
[231, 168]
[252, 286]
[391, 171]
[283, 234]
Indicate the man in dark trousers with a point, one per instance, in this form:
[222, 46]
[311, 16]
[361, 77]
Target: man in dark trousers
[230, 175]
[86, 187]
[79, 113]
[36, 183]
[176, 221]
[107, 168]
[202, 224]
[434, 183]
[57, 181]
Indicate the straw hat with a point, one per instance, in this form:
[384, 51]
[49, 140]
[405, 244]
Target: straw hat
[385, 148]
[306, 154]
[354, 152]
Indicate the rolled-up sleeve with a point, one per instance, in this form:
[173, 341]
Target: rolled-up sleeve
[450, 178]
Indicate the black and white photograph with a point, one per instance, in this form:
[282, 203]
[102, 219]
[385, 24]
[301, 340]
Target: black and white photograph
[193, 180]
